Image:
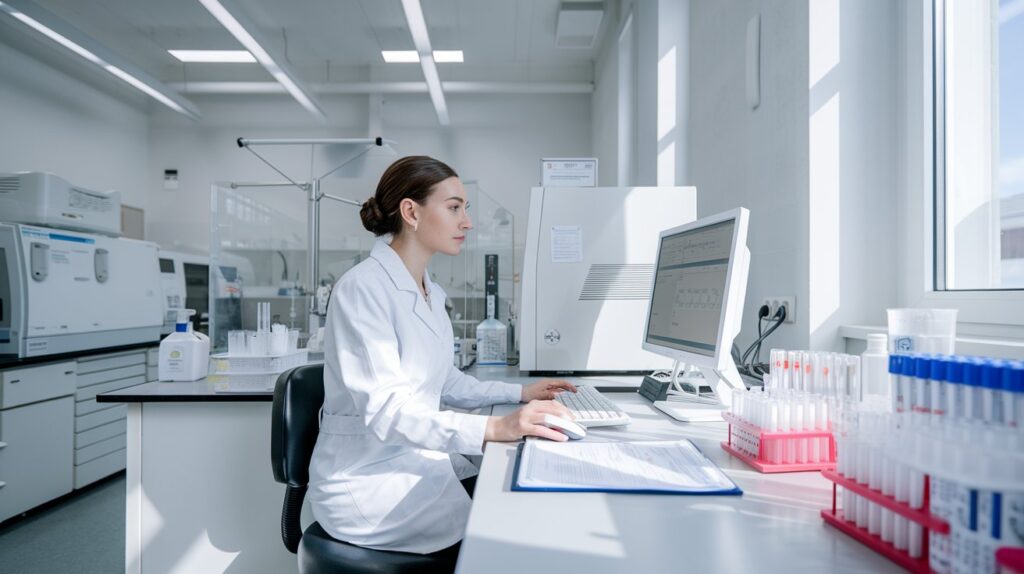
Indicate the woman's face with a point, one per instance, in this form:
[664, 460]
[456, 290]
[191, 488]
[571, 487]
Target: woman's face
[442, 220]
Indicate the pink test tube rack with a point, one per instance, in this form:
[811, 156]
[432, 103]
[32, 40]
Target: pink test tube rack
[929, 522]
[749, 437]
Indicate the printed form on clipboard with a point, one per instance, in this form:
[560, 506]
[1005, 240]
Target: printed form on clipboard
[650, 467]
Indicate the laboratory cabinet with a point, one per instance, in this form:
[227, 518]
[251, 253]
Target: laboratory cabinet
[54, 436]
[99, 451]
[37, 454]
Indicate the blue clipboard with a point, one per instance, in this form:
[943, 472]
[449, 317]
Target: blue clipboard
[734, 491]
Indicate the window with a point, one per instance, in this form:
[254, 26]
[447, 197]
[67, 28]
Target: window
[979, 145]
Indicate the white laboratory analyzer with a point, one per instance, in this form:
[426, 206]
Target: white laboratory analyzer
[587, 274]
[76, 288]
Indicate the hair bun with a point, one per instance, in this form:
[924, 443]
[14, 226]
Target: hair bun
[372, 216]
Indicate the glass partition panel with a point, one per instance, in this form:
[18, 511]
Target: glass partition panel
[463, 277]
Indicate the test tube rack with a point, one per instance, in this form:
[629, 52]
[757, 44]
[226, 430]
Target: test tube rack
[929, 523]
[749, 437]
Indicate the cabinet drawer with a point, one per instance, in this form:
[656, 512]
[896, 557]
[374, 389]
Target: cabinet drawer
[108, 375]
[36, 383]
[94, 470]
[98, 449]
[93, 420]
[153, 356]
[107, 362]
[91, 391]
[90, 406]
[102, 432]
[36, 463]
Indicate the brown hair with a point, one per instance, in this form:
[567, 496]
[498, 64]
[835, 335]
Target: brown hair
[411, 177]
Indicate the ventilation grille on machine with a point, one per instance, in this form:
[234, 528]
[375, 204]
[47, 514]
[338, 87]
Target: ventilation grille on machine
[617, 282]
[8, 184]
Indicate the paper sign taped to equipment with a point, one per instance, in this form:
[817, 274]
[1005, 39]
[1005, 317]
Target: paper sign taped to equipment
[566, 244]
[568, 172]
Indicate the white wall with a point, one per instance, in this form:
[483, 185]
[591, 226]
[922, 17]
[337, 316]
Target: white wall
[53, 122]
[815, 162]
[854, 147]
[604, 107]
[497, 141]
[755, 158]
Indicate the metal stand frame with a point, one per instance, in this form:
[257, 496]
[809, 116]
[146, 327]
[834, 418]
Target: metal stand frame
[313, 195]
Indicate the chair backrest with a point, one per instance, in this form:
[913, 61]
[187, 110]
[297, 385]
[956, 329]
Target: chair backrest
[298, 396]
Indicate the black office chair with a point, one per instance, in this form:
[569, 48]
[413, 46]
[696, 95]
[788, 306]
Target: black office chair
[298, 396]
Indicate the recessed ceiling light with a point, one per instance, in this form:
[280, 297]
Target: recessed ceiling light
[400, 56]
[214, 56]
[448, 56]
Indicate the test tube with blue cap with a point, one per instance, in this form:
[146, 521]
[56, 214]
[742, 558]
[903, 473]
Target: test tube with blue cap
[955, 389]
[895, 372]
[972, 388]
[991, 385]
[922, 391]
[1013, 394]
[937, 388]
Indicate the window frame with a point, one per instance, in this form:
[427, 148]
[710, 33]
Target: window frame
[989, 310]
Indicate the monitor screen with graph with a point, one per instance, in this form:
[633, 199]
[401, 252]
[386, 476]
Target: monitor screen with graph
[691, 284]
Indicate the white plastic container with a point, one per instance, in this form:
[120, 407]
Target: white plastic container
[491, 339]
[874, 363]
[922, 331]
[184, 354]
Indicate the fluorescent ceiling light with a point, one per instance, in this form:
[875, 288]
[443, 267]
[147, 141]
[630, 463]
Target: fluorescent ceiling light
[214, 56]
[78, 42]
[413, 57]
[400, 56]
[229, 16]
[421, 39]
[448, 56]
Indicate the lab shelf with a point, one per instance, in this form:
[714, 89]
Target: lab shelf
[755, 435]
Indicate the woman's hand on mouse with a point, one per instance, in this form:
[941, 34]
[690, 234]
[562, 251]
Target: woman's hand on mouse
[546, 389]
[525, 421]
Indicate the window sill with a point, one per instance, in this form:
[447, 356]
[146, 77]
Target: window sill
[966, 344]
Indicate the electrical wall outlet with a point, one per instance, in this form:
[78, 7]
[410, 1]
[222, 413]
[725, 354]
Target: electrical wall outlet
[774, 303]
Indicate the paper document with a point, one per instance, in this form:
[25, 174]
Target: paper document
[648, 466]
[566, 244]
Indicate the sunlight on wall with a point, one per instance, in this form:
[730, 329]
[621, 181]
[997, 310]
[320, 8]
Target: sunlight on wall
[824, 154]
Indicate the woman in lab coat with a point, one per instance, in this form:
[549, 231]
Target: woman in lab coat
[386, 469]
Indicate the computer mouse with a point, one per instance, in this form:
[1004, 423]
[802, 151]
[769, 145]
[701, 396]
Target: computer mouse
[564, 426]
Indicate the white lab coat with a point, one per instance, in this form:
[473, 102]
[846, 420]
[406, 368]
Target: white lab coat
[381, 475]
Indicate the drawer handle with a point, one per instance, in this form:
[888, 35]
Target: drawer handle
[2, 484]
[69, 372]
[13, 381]
[2, 444]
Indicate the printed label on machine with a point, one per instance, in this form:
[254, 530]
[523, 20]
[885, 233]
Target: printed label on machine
[566, 244]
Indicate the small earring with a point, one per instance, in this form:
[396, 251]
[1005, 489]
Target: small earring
[416, 227]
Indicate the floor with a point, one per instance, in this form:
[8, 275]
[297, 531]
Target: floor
[81, 533]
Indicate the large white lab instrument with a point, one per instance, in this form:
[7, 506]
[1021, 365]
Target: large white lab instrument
[587, 274]
[44, 199]
[64, 291]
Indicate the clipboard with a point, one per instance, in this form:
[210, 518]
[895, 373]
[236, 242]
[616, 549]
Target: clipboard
[730, 489]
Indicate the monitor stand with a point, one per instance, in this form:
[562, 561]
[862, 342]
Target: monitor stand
[691, 408]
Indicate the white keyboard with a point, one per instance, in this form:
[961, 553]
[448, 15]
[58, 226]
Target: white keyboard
[591, 408]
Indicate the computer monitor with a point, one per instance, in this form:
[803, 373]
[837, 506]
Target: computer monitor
[696, 308]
